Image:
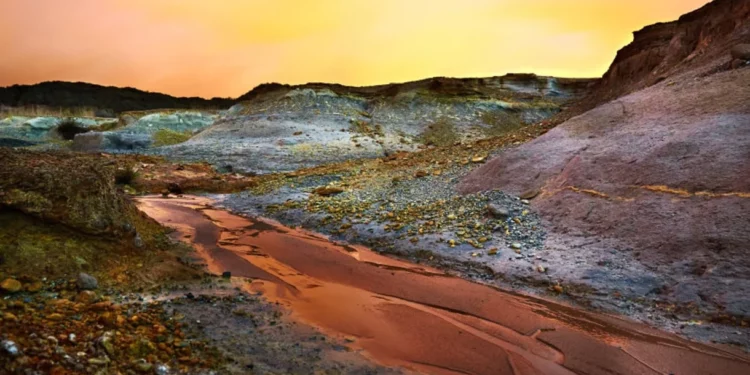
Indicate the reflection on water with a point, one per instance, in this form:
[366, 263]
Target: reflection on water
[413, 316]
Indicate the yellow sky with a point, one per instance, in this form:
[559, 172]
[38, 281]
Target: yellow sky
[226, 47]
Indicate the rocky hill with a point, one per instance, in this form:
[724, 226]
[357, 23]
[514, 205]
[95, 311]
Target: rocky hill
[107, 100]
[279, 127]
[647, 195]
[697, 41]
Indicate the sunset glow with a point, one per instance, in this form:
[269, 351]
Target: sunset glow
[225, 48]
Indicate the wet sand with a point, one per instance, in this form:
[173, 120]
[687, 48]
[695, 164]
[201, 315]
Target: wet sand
[408, 315]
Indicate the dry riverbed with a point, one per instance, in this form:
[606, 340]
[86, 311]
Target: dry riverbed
[413, 316]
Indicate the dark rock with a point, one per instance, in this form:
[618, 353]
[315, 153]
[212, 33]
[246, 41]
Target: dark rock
[86, 282]
[226, 275]
[741, 52]
[328, 191]
[174, 188]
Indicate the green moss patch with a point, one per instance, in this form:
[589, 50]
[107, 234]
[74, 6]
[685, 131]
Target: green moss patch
[440, 133]
[166, 137]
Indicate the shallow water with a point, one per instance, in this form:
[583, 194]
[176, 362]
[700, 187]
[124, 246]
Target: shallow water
[409, 315]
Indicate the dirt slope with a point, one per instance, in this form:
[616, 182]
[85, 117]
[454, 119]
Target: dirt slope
[649, 194]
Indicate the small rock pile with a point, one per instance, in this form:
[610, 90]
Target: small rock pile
[68, 328]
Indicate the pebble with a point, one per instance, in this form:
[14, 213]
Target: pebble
[497, 211]
[138, 241]
[87, 282]
[10, 347]
[10, 317]
[516, 245]
[11, 285]
[86, 297]
[162, 369]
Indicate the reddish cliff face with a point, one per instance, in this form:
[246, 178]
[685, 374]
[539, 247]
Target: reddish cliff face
[701, 38]
[652, 188]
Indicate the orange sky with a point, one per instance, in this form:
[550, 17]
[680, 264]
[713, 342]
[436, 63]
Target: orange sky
[226, 47]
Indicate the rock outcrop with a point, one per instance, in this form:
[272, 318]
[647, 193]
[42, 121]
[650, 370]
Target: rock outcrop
[650, 193]
[701, 39]
[279, 127]
[62, 213]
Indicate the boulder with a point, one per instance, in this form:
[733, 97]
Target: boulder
[86, 282]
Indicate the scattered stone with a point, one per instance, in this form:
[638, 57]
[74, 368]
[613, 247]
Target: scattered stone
[516, 245]
[541, 269]
[558, 288]
[529, 194]
[55, 317]
[162, 369]
[138, 241]
[478, 159]
[34, 287]
[10, 317]
[11, 285]
[106, 343]
[86, 282]
[142, 348]
[143, 367]
[10, 347]
[492, 251]
[328, 191]
[165, 193]
[741, 52]
[86, 297]
[420, 174]
[498, 212]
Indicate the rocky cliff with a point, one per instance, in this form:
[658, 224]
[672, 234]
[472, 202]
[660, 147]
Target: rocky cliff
[649, 193]
[698, 40]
